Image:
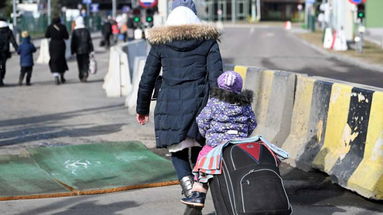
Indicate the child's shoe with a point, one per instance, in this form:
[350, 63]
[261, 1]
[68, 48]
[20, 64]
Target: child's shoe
[196, 199]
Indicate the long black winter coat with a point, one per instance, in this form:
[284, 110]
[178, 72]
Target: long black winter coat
[58, 34]
[6, 37]
[81, 42]
[191, 61]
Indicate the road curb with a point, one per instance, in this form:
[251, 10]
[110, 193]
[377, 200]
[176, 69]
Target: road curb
[350, 60]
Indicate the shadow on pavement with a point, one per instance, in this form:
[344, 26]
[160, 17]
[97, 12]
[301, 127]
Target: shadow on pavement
[54, 206]
[109, 209]
[58, 116]
[78, 209]
[50, 132]
[44, 127]
[315, 189]
[53, 84]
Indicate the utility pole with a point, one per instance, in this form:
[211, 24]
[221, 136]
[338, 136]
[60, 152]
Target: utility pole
[258, 10]
[49, 8]
[14, 15]
[253, 11]
[233, 11]
[114, 8]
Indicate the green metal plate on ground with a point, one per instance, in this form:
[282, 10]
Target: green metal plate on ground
[20, 176]
[104, 165]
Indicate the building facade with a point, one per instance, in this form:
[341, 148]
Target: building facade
[251, 10]
[374, 13]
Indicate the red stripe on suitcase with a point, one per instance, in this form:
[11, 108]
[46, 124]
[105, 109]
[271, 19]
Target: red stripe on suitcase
[253, 149]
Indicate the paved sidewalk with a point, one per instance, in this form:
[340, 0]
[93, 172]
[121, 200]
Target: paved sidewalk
[375, 35]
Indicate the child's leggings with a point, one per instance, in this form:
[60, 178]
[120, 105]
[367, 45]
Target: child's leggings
[204, 151]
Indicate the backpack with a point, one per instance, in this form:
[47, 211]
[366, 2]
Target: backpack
[250, 182]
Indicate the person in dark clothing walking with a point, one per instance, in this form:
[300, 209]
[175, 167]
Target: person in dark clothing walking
[26, 50]
[82, 46]
[107, 32]
[6, 37]
[58, 33]
[189, 55]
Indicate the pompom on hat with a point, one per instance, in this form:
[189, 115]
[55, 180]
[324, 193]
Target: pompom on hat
[230, 81]
[186, 3]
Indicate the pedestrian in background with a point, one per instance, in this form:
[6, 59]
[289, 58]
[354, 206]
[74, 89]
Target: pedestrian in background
[189, 55]
[124, 32]
[6, 37]
[26, 50]
[82, 46]
[106, 32]
[228, 115]
[57, 33]
[115, 31]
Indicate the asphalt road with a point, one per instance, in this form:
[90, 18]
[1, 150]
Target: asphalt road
[76, 113]
[278, 49]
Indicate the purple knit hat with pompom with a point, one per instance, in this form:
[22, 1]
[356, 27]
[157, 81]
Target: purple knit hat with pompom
[230, 81]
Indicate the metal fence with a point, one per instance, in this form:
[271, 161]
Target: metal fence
[36, 26]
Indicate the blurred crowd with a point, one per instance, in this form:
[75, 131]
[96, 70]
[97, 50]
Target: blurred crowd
[81, 45]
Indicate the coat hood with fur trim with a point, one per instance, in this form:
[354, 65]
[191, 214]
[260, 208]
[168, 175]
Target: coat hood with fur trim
[168, 34]
[242, 99]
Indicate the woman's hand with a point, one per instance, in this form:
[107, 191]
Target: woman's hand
[142, 119]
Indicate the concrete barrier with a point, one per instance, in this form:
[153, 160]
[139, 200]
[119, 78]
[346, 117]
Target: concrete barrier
[131, 97]
[299, 136]
[352, 151]
[133, 49]
[308, 121]
[44, 52]
[274, 104]
[367, 178]
[118, 81]
[126, 78]
[333, 126]
[112, 80]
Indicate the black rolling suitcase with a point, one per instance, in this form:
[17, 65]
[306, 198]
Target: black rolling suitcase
[250, 182]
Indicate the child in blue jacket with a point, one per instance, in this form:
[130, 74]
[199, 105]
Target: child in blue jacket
[26, 50]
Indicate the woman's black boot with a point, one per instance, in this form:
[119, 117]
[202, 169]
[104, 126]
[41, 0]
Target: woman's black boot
[62, 78]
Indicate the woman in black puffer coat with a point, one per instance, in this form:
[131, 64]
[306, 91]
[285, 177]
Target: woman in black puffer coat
[189, 55]
[82, 46]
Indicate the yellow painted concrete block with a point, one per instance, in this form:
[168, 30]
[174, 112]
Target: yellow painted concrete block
[367, 179]
[295, 142]
[242, 70]
[338, 134]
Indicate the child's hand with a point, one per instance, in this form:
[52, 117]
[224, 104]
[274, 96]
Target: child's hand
[142, 119]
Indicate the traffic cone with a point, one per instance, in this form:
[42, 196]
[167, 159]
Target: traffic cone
[333, 39]
[340, 43]
[328, 39]
[288, 25]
